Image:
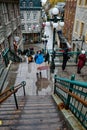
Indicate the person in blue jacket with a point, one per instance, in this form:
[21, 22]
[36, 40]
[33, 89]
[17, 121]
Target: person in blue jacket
[39, 58]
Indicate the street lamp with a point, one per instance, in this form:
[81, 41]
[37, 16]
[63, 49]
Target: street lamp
[55, 19]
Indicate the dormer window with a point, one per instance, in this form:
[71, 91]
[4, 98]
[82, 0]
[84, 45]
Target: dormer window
[31, 4]
[24, 4]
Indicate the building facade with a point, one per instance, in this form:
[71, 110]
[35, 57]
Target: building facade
[10, 25]
[69, 17]
[80, 26]
[31, 11]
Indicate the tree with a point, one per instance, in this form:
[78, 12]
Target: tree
[54, 2]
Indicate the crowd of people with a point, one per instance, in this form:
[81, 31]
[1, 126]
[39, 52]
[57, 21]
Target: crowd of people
[39, 58]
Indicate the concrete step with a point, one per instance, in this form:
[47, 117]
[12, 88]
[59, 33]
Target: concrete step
[35, 113]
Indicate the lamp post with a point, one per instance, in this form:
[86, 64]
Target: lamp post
[55, 12]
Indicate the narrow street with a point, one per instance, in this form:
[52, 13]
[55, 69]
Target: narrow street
[38, 110]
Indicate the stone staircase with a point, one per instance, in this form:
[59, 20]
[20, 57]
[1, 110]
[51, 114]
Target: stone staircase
[34, 113]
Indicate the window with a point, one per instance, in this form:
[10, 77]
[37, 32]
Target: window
[22, 27]
[24, 4]
[29, 26]
[85, 2]
[12, 11]
[79, 2]
[81, 28]
[28, 15]
[86, 37]
[5, 13]
[77, 26]
[34, 15]
[31, 4]
[21, 15]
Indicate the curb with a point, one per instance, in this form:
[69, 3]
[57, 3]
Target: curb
[71, 119]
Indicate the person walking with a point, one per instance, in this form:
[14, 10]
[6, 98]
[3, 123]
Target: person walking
[39, 59]
[65, 58]
[47, 57]
[81, 61]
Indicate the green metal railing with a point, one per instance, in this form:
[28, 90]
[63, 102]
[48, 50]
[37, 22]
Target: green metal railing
[12, 90]
[74, 95]
[10, 55]
[5, 56]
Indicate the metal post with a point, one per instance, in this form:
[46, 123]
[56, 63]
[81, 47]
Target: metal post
[55, 84]
[24, 89]
[15, 100]
[52, 62]
[53, 38]
[70, 90]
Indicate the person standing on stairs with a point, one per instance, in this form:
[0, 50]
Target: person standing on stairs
[81, 61]
[66, 57]
[39, 59]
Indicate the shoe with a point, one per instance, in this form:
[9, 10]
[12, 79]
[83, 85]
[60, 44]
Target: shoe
[37, 74]
[79, 72]
[40, 75]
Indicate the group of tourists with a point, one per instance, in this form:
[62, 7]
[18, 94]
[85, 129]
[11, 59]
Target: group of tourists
[39, 58]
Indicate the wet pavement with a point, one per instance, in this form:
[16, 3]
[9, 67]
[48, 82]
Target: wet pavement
[35, 84]
[39, 84]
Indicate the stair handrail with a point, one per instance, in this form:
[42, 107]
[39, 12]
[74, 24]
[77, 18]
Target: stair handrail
[12, 90]
[74, 96]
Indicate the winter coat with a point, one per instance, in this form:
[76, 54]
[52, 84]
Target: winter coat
[81, 60]
[65, 59]
[39, 59]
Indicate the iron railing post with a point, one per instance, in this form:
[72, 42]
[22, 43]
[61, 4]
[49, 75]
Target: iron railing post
[24, 83]
[24, 89]
[16, 103]
[70, 90]
[55, 84]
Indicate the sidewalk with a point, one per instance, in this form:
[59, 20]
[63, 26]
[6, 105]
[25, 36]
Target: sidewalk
[49, 32]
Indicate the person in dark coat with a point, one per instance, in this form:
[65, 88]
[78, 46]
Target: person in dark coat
[39, 59]
[81, 61]
[65, 58]
[47, 57]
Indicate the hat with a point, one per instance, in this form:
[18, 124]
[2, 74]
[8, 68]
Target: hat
[83, 51]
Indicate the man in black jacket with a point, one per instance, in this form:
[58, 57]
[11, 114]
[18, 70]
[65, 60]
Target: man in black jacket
[65, 58]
